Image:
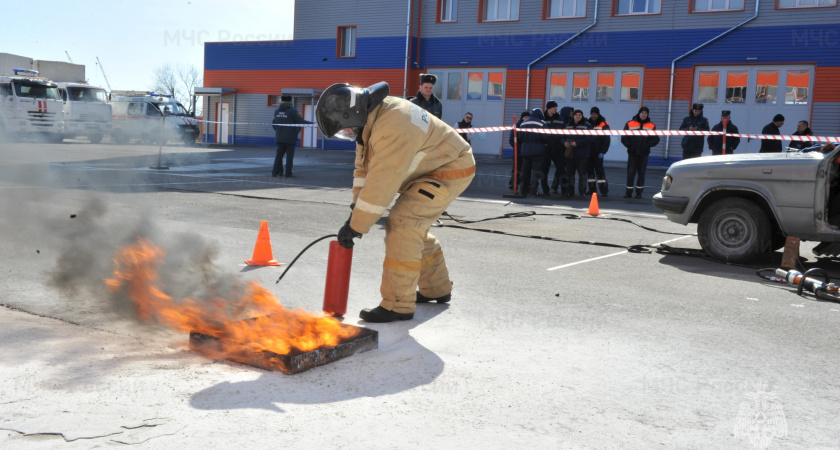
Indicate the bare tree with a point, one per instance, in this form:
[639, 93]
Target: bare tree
[190, 79]
[179, 82]
[165, 80]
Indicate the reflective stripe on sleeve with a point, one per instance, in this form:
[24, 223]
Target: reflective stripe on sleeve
[358, 182]
[367, 207]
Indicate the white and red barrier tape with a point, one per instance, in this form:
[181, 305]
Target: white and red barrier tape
[595, 132]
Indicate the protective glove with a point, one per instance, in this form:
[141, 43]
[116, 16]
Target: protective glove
[346, 235]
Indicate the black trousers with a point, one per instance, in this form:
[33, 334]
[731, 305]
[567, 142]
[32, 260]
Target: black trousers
[554, 156]
[636, 168]
[289, 151]
[595, 171]
[574, 165]
[531, 174]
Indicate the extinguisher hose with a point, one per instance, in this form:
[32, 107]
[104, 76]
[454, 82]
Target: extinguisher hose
[302, 252]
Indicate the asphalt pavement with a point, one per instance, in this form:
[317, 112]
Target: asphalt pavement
[557, 336]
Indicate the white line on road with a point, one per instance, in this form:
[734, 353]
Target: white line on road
[607, 256]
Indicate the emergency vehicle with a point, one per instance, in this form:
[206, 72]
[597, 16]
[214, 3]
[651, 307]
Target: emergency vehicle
[30, 107]
[87, 112]
[140, 115]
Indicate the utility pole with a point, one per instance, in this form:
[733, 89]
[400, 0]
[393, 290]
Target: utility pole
[103, 73]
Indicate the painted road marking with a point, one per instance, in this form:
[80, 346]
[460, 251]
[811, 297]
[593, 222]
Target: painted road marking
[608, 256]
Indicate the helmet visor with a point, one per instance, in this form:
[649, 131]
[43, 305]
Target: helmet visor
[328, 126]
[348, 134]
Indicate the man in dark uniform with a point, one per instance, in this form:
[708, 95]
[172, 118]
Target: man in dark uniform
[285, 136]
[693, 145]
[426, 95]
[716, 142]
[772, 145]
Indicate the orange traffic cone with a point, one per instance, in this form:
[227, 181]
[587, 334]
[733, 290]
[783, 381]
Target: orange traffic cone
[593, 206]
[262, 251]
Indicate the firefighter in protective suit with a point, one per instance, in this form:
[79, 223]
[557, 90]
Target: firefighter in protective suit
[400, 148]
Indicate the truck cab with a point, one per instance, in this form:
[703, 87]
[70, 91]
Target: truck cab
[30, 107]
[87, 112]
[150, 118]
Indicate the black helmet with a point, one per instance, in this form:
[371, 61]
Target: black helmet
[343, 106]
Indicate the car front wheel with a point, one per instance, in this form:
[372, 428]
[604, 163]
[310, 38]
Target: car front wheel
[735, 230]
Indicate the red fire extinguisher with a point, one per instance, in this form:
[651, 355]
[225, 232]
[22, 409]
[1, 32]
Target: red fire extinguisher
[338, 279]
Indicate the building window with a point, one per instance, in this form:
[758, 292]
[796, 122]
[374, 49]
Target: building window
[273, 100]
[496, 10]
[605, 87]
[475, 80]
[736, 86]
[448, 10]
[495, 85]
[630, 82]
[796, 90]
[707, 89]
[347, 42]
[718, 5]
[627, 7]
[806, 3]
[565, 8]
[580, 86]
[557, 88]
[766, 86]
[453, 86]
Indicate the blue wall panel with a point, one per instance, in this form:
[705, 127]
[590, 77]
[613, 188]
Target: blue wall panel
[371, 53]
[654, 49]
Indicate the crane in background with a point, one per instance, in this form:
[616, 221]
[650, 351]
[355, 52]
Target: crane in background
[68, 57]
[103, 73]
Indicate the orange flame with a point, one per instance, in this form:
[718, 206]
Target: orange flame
[269, 327]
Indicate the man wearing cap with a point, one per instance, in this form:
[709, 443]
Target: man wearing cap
[693, 145]
[599, 146]
[772, 145]
[716, 141]
[426, 95]
[285, 136]
[400, 149]
[638, 151]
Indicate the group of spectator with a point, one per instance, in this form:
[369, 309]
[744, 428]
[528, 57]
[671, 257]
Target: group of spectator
[693, 145]
[582, 156]
[576, 157]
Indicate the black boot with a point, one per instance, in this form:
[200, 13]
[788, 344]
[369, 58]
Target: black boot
[382, 315]
[442, 299]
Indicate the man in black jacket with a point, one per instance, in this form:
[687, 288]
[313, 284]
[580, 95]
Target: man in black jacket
[716, 142]
[599, 145]
[285, 136]
[554, 150]
[532, 149]
[426, 95]
[772, 145]
[638, 151]
[801, 130]
[693, 145]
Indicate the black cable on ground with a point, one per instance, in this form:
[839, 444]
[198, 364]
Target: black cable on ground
[301, 253]
[566, 215]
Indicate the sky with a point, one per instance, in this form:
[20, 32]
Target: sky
[132, 38]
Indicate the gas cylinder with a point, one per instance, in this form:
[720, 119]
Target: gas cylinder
[338, 279]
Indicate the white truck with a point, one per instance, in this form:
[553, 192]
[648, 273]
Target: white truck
[87, 112]
[140, 115]
[30, 107]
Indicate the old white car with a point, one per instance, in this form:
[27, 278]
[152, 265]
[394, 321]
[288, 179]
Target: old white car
[746, 205]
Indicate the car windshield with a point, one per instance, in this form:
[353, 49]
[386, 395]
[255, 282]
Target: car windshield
[36, 90]
[86, 94]
[172, 108]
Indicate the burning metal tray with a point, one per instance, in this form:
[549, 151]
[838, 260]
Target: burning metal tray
[293, 362]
